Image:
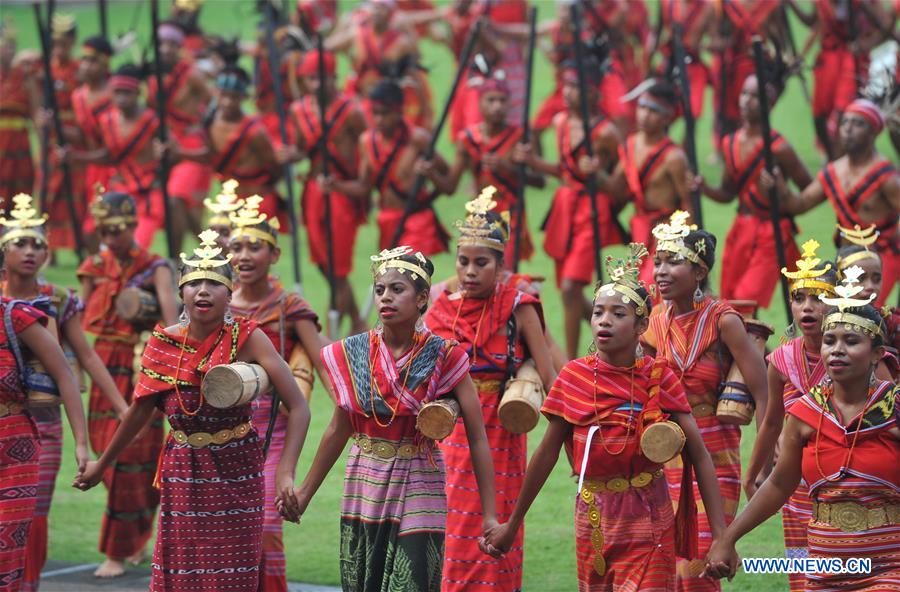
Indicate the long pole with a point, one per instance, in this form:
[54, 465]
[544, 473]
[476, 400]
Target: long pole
[50, 102]
[774, 205]
[104, 23]
[429, 151]
[792, 45]
[163, 131]
[334, 316]
[521, 169]
[275, 68]
[588, 144]
[690, 134]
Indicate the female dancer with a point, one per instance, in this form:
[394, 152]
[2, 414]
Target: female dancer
[697, 335]
[289, 323]
[211, 471]
[794, 368]
[394, 508]
[841, 438]
[24, 249]
[489, 319]
[624, 523]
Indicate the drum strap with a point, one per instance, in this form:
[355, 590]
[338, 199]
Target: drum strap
[273, 413]
[584, 459]
[511, 338]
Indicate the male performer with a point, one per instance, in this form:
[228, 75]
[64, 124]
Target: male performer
[19, 99]
[390, 158]
[346, 123]
[186, 98]
[652, 169]
[570, 226]
[288, 78]
[750, 268]
[696, 17]
[862, 186]
[127, 130]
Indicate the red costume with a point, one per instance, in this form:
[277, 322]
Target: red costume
[569, 238]
[839, 73]
[347, 215]
[87, 115]
[476, 146]
[132, 500]
[691, 343]
[844, 487]
[137, 179]
[750, 268]
[211, 517]
[846, 203]
[637, 176]
[625, 536]
[187, 179]
[265, 96]
[480, 327]
[19, 450]
[423, 231]
[689, 13]
[16, 166]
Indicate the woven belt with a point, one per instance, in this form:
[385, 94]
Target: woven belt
[617, 485]
[703, 410]
[384, 449]
[11, 409]
[854, 517]
[204, 439]
[487, 386]
[13, 123]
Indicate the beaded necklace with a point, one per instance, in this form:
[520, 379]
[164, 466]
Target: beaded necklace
[630, 410]
[484, 308]
[177, 374]
[829, 390]
[373, 383]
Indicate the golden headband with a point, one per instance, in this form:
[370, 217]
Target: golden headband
[476, 229]
[861, 237]
[62, 25]
[624, 274]
[206, 263]
[807, 276]
[846, 292]
[390, 259]
[247, 219]
[24, 221]
[670, 238]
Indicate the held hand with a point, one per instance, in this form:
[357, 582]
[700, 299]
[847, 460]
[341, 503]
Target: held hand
[159, 149]
[483, 543]
[286, 501]
[423, 167]
[750, 488]
[491, 161]
[63, 154]
[502, 537]
[326, 182]
[721, 561]
[522, 154]
[286, 154]
[767, 181]
[42, 118]
[589, 165]
[89, 477]
[82, 457]
[695, 182]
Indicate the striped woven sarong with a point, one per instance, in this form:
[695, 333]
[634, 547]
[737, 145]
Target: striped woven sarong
[19, 468]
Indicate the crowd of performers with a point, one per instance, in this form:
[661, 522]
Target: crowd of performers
[650, 418]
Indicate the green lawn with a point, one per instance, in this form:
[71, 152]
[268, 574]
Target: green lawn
[313, 546]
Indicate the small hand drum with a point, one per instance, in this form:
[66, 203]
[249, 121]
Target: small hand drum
[662, 441]
[233, 385]
[437, 419]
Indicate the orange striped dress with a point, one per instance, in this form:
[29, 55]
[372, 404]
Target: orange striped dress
[690, 343]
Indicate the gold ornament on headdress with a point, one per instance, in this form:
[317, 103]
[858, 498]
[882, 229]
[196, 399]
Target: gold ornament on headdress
[476, 229]
[246, 221]
[670, 238]
[189, 5]
[224, 203]
[207, 261]
[62, 25]
[106, 215]
[846, 291]
[390, 259]
[863, 237]
[24, 221]
[624, 274]
[807, 276]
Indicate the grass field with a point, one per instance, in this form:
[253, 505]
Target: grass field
[312, 548]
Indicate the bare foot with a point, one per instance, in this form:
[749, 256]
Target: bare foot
[138, 558]
[111, 568]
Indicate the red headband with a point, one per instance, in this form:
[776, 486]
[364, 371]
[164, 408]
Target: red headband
[124, 83]
[868, 111]
[492, 84]
[310, 64]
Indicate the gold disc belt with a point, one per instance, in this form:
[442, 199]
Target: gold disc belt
[855, 517]
[703, 410]
[11, 409]
[384, 449]
[204, 439]
[487, 386]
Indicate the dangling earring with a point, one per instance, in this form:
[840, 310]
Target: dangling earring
[592, 348]
[420, 325]
[698, 294]
[791, 331]
[379, 328]
[183, 319]
[229, 318]
[873, 380]
[639, 352]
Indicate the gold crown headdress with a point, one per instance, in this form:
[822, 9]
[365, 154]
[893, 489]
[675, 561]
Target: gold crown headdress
[7, 30]
[476, 230]
[206, 262]
[189, 5]
[624, 274]
[863, 237]
[24, 221]
[807, 276]
[846, 291]
[120, 212]
[62, 25]
[670, 238]
[248, 220]
[224, 203]
[390, 259]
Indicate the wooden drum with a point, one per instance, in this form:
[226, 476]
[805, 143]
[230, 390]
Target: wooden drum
[735, 405]
[520, 407]
[138, 307]
[437, 419]
[662, 441]
[233, 385]
[302, 368]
